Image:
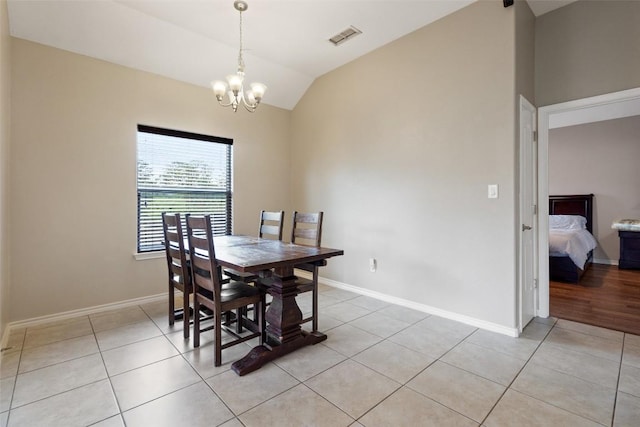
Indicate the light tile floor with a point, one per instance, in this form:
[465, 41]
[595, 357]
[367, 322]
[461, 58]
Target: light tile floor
[382, 365]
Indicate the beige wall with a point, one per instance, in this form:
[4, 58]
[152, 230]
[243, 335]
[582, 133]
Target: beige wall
[398, 148]
[5, 115]
[525, 52]
[587, 48]
[599, 158]
[73, 157]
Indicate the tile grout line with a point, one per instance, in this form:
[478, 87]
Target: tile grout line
[15, 381]
[104, 365]
[220, 373]
[508, 387]
[55, 394]
[331, 403]
[164, 334]
[560, 347]
[417, 374]
[442, 361]
[382, 339]
[615, 398]
[346, 358]
[542, 401]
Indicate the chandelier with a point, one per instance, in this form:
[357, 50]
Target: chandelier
[233, 87]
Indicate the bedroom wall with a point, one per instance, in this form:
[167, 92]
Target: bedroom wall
[73, 183]
[5, 115]
[587, 48]
[398, 147]
[600, 158]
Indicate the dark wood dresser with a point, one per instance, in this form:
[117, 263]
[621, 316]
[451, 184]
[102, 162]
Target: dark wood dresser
[629, 249]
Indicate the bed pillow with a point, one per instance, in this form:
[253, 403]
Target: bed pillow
[567, 222]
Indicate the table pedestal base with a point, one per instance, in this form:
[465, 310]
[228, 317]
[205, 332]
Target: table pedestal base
[262, 354]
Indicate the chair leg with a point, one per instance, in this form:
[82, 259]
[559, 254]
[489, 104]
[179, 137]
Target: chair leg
[196, 320]
[185, 312]
[239, 315]
[314, 301]
[217, 361]
[172, 305]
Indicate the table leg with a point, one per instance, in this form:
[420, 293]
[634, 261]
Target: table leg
[283, 316]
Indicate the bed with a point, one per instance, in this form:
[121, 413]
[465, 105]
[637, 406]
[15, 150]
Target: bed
[571, 240]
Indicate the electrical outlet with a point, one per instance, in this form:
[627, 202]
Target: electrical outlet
[373, 265]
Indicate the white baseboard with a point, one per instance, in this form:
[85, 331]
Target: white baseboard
[478, 323]
[76, 313]
[605, 261]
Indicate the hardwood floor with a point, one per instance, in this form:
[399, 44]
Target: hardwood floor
[605, 296]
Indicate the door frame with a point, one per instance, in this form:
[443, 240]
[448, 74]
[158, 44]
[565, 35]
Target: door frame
[587, 110]
[526, 107]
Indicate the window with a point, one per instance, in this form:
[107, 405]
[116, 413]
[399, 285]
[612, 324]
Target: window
[181, 172]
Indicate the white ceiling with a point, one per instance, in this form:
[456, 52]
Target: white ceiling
[197, 41]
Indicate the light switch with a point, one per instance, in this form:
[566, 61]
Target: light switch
[493, 191]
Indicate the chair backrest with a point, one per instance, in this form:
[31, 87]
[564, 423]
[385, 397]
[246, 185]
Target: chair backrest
[271, 224]
[203, 255]
[307, 228]
[179, 272]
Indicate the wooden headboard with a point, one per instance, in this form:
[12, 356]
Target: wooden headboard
[580, 204]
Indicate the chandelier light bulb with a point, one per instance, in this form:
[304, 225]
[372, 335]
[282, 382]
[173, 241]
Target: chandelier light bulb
[219, 89]
[235, 82]
[258, 90]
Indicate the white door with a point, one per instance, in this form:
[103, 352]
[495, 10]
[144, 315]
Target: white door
[528, 210]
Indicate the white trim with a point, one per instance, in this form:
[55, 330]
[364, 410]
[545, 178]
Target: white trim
[527, 109]
[5, 337]
[478, 323]
[595, 113]
[77, 313]
[544, 115]
[605, 261]
[142, 256]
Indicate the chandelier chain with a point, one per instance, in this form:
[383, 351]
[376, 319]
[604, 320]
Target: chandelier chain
[240, 58]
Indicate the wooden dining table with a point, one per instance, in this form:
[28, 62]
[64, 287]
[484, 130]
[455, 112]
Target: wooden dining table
[274, 262]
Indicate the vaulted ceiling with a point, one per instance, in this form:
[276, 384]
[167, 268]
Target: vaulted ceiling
[196, 41]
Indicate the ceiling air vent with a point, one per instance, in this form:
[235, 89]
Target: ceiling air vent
[345, 35]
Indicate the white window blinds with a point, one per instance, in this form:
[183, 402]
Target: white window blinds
[181, 172]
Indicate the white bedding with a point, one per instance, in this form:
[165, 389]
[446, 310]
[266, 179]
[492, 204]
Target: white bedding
[569, 240]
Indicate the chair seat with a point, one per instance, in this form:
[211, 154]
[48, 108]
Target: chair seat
[304, 285]
[240, 276]
[231, 291]
[234, 290]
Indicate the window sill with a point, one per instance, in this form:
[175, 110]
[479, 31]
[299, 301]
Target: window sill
[142, 256]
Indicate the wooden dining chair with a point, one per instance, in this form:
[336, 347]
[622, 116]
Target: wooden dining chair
[219, 298]
[307, 230]
[178, 268]
[271, 226]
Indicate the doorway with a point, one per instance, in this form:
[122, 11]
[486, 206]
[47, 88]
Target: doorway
[587, 110]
